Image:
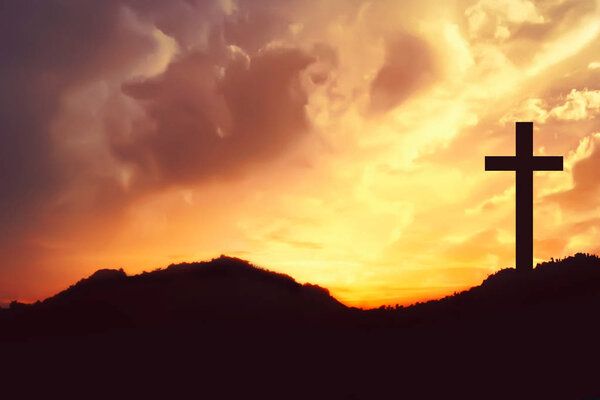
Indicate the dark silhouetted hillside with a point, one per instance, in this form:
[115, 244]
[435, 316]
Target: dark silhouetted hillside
[572, 282]
[226, 329]
[224, 290]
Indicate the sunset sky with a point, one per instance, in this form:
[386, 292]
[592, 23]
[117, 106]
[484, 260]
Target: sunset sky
[341, 142]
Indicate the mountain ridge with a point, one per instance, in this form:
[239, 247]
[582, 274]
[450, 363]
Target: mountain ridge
[582, 267]
[223, 289]
[232, 288]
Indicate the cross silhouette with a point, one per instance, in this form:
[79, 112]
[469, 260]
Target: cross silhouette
[524, 163]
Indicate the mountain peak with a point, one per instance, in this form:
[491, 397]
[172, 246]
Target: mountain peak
[107, 274]
[223, 289]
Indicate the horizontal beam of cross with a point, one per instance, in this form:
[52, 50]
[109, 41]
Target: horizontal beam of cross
[512, 163]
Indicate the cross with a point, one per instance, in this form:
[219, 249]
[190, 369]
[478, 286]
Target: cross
[524, 163]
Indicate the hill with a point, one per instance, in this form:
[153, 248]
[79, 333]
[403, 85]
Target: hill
[226, 329]
[225, 290]
[571, 282]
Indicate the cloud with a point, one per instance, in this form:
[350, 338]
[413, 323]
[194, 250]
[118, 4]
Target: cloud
[106, 101]
[578, 105]
[530, 110]
[210, 119]
[47, 47]
[82, 131]
[586, 177]
[255, 27]
[408, 67]
[493, 18]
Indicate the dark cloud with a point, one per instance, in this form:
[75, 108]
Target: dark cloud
[46, 47]
[213, 111]
[213, 120]
[408, 67]
[51, 47]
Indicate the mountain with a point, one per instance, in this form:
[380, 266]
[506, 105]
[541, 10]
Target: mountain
[224, 290]
[227, 329]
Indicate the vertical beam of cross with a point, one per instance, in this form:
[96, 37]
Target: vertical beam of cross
[524, 163]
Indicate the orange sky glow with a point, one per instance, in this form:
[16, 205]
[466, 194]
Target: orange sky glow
[339, 142]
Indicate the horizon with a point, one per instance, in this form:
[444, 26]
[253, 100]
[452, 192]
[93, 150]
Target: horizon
[5, 304]
[341, 144]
